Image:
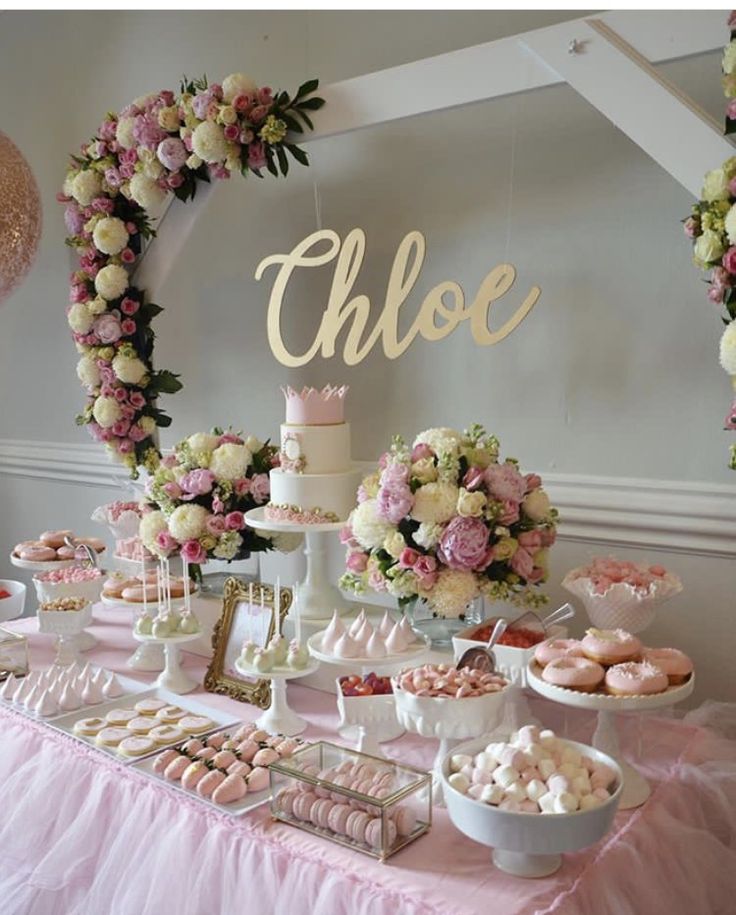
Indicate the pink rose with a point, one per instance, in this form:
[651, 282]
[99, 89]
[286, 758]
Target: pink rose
[505, 483]
[242, 102]
[120, 394]
[193, 551]
[376, 581]
[241, 487]
[259, 113]
[165, 542]
[464, 544]
[260, 487]
[691, 227]
[729, 260]
[531, 541]
[408, 558]
[129, 306]
[357, 562]
[128, 327]
[715, 294]
[522, 563]
[216, 524]
[474, 478]
[509, 513]
[720, 277]
[425, 569]
[107, 328]
[120, 428]
[198, 482]
[137, 400]
[127, 256]
[172, 490]
[533, 481]
[731, 115]
[548, 535]
[234, 521]
[265, 95]
[125, 446]
[420, 452]
[136, 434]
[229, 438]
[232, 132]
[218, 506]
[256, 155]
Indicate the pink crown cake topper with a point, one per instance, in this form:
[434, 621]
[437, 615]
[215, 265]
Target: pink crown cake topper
[310, 407]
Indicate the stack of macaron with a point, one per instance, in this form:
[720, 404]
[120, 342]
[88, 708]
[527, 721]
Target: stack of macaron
[533, 772]
[357, 819]
[61, 689]
[51, 546]
[225, 767]
[362, 640]
[611, 661]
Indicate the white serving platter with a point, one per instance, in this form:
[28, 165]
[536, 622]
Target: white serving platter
[65, 723]
[31, 566]
[131, 688]
[410, 654]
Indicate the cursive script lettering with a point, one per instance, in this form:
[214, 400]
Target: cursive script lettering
[441, 311]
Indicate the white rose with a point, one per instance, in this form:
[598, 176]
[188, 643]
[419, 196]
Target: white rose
[237, 84]
[709, 247]
[227, 115]
[470, 504]
[111, 282]
[187, 522]
[253, 444]
[88, 372]
[128, 369]
[201, 441]
[86, 186]
[194, 162]
[146, 192]
[230, 461]
[394, 544]
[730, 224]
[428, 536]
[124, 133]
[148, 424]
[106, 412]
[727, 349]
[435, 503]
[209, 143]
[424, 470]
[150, 527]
[110, 235]
[536, 505]
[153, 170]
[715, 185]
[368, 529]
[729, 58]
[79, 318]
[97, 305]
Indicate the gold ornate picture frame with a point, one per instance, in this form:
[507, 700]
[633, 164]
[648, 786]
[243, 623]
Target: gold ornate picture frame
[241, 619]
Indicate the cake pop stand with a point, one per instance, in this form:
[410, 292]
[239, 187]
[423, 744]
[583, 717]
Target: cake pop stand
[636, 789]
[172, 677]
[278, 718]
[317, 597]
[148, 656]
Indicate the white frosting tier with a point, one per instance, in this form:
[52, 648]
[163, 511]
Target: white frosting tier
[333, 493]
[315, 449]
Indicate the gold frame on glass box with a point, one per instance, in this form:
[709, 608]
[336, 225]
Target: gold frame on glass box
[241, 619]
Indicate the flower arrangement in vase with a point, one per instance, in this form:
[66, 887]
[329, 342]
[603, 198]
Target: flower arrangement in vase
[446, 522]
[201, 493]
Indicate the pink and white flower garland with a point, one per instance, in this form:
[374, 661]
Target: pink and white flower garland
[159, 145]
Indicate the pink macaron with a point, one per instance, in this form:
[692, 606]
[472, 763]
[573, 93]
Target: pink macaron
[356, 825]
[374, 834]
[405, 820]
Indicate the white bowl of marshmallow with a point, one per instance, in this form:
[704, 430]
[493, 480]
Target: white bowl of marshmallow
[531, 797]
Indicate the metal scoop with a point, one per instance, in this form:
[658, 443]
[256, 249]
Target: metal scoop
[531, 621]
[91, 556]
[482, 658]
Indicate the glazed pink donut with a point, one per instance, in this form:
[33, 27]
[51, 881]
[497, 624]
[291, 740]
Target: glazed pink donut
[65, 552]
[55, 539]
[37, 554]
[557, 648]
[632, 679]
[670, 661]
[574, 673]
[610, 646]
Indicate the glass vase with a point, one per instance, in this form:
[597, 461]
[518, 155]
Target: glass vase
[439, 629]
[215, 573]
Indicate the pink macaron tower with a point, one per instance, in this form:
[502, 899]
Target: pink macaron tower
[310, 407]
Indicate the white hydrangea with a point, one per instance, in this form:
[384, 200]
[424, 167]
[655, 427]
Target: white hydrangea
[129, 369]
[106, 412]
[237, 84]
[86, 186]
[428, 536]
[209, 143]
[187, 522]
[111, 282]
[150, 527]
[368, 529]
[88, 372]
[68, 186]
[402, 584]
[79, 318]
[124, 133]
[730, 224]
[202, 442]
[194, 162]
[110, 235]
[230, 461]
[441, 440]
[228, 545]
[727, 352]
[435, 503]
[452, 592]
[146, 192]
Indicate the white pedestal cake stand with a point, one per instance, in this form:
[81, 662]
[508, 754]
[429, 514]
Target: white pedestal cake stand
[279, 718]
[317, 597]
[172, 677]
[148, 656]
[636, 789]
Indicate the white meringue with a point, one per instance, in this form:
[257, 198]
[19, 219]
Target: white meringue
[92, 693]
[395, 642]
[8, 688]
[69, 700]
[346, 647]
[387, 624]
[32, 697]
[112, 688]
[24, 687]
[357, 623]
[409, 635]
[46, 705]
[98, 678]
[334, 631]
[375, 647]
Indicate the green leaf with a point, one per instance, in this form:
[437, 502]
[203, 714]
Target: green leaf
[163, 420]
[311, 104]
[297, 153]
[730, 126]
[164, 382]
[307, 120]
[149, 311]
[270, 164]
[282, 99]
[291, 123]
[306, 88]
[283, 160]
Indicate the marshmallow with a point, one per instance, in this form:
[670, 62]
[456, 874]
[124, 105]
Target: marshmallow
[565, 803]
[505, 776]
[513, 757]
[467, 770]
[571, 755]
[581, 786]
[534, 753]
[568, 770]
[517, 791]
[602, 776]
[492, 794]
[529, 774]
[459, 782]
[528, 806]
[588, 763]
[547, 803]
[601, 793]
[458, 761]
[481, 777]
[558, 784]
[485, 761]
[528, 735]
[495, 750]
[548, 739]
[476, 791]
[536, 789]
[589, 801]
[509, 803]
[546, 768]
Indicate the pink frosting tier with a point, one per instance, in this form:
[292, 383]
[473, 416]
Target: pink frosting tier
[633, 679]
[610, 645]
[671, 661]
[310, 407]
[557, 648]
[291, 514]
[573, 673]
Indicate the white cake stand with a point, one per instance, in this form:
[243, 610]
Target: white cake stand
[148, 656]
[279, 718]
[317, 597]
[636, 788]
[31, 566]
[172, 677]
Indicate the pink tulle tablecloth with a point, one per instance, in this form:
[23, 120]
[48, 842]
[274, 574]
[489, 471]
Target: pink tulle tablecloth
[80, 833]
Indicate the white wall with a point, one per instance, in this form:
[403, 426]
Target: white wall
[613, 375]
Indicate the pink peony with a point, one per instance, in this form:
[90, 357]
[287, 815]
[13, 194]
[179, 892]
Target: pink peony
[395, 501]
[504, 482]
[193, 551]
[73, 219]
[522, 563]
[198, 482]
[531, 541]
[363, 494]
[395, 473]
[729, 260]
[419, 452]
[425, 569]
[234, 521]
[216, 524]
[509, 513]
[172, 153]
[357, 562]
[165, 542]
[474, 478]
[172, 490]
[107, 328]
[464, 544]
[260, 488]
[241, 487]
[408, 558]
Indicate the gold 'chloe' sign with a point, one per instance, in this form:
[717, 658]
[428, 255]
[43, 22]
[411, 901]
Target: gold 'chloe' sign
[440, 313]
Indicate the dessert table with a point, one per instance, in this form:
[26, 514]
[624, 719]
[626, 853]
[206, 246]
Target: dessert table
[81, 833]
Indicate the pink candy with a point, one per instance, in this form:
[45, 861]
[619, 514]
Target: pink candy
[603, 573]
[71, 575]
[442, 681]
